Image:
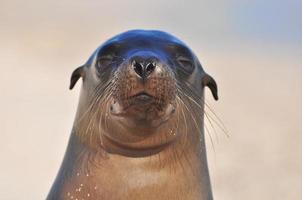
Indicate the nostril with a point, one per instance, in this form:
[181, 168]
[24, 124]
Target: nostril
[150, 68]
[138, 68]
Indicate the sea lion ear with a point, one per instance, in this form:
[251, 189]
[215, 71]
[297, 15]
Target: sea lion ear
[208, 81]
[76, 74]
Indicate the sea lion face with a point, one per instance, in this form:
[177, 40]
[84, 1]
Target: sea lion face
[135, 82]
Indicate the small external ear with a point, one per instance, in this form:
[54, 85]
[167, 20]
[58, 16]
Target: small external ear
[76, 74]
[207, 80]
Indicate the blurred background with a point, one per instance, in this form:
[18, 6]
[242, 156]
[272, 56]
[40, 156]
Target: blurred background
[252, 48]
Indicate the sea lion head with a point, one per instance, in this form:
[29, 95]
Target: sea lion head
[138, 88]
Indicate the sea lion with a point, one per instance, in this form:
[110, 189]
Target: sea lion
[138, 132]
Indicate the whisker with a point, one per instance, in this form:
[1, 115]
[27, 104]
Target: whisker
[188, 90]
[196, 124]
[212, 126]
[221, 122]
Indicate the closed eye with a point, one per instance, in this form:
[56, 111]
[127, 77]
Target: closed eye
[186, 64]
[104, 61]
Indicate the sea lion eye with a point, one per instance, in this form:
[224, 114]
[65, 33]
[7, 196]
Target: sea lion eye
[104, 61]
[186, 64]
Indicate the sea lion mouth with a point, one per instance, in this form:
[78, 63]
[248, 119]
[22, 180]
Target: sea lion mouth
[140, 99]
[143, 108]
[143, 97]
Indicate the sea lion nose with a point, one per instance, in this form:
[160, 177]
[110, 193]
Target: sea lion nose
[143, 67]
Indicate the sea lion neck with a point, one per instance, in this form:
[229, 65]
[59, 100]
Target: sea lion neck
[178, 172]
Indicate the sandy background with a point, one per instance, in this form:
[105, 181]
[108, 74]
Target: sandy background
[252, 48]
